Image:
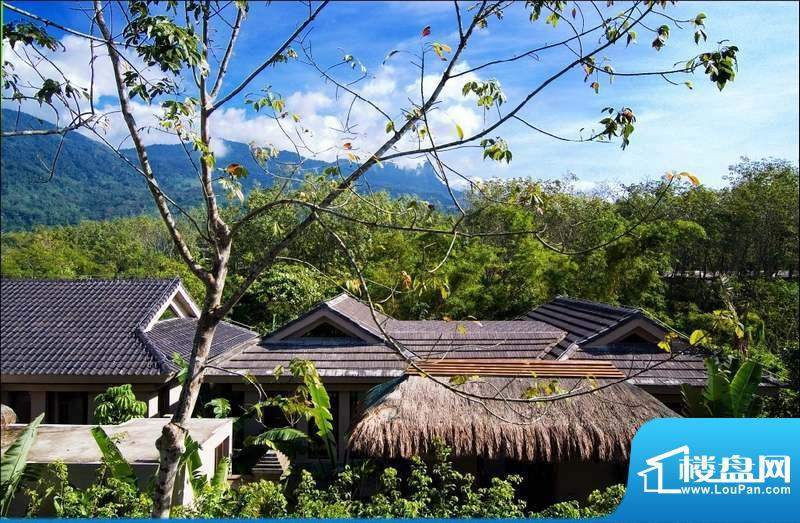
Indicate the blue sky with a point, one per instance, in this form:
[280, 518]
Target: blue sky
[700, 130]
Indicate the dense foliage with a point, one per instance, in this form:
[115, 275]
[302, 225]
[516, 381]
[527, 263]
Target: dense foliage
[106, 497]
[429, 490]
[679, 241]
[729, 393]
[600, 503]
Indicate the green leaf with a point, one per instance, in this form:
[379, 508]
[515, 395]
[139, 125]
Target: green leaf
[14, 461]
[743, 388]
[190, 459]
[119, 467]
[693, 400]
[717, 392]
[697, 336]
[117, 405]
[321, 410]
[221, 407]
[283, 434]
[183, 367]
[441, 49]
[462, 379]
[459, 132]
[698, 20]
[220, 478]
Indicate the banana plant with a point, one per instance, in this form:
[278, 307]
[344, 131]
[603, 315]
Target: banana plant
[14, 463]
[190, 460]
[320, 410]
[725, 396]
[220, 407]
[121, 470]
[280, 439]
[117, 464]
[310, 401]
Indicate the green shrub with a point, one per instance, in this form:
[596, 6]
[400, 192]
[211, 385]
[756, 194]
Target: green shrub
[334, 502]
[566, 509]
[599, 503]
[260, 499]
[389, 502]
[263, 499]
[106, 497]
[431, 490]
[602, 502]
[117, 405]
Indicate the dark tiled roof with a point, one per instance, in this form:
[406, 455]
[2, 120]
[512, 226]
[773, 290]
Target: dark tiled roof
[359, 313]
[585, 321]
[683, 366]
[581, 319]
[176, 335]
[332, 357]
[92, 328]
[352, 357]
[472, 339]
[349, 309]
[80, 327]
[687, 367]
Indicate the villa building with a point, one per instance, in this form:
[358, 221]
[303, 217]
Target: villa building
[63, 342]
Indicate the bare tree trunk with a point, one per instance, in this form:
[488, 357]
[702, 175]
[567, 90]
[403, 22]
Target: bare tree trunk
[171, 443]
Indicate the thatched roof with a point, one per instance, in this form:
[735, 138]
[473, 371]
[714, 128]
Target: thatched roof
[404, 417]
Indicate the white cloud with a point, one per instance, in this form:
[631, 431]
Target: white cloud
[321, 133]
[220, 149]
[308, 102]
[451, 90]
[383, 85]
[72, 61]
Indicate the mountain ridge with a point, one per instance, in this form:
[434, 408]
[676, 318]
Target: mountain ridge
[92, 182]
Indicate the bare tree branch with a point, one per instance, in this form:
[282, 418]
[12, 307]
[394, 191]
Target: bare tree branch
[525, 101]
[141, 152]
[268, 258]
[223, 67]
[271, 60]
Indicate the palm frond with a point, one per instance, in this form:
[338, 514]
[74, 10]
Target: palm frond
[14, 462]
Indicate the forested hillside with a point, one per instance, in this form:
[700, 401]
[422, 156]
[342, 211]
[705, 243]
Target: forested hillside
[93, 183]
